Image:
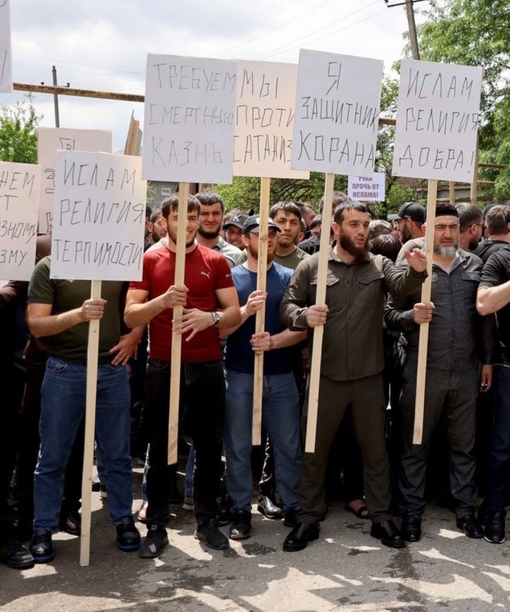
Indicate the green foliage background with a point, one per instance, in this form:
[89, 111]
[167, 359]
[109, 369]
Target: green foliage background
[18, 132]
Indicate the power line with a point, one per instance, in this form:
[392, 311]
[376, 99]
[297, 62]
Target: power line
[273, 30]
[308, 41]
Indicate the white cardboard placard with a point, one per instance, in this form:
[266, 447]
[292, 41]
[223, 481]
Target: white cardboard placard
[367, 188]
[337, 113]
[19, 200]
[266, 94]
[98, 217]
[5, 48]
[189, 119]
[437, 121]
[51, 140]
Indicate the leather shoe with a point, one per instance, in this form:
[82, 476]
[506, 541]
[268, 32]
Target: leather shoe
[71, 523]
[411, 528]
[470, 526]
[299, 537]
[267, 507]
[290, 518]
[388, 533]
[14, 555]
[41, 547]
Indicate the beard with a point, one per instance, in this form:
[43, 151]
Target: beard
[359, 253]
[406, 234]
[254, 252]
[446, 252]
[209, 235]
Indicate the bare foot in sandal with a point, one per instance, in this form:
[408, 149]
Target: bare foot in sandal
[358, 507]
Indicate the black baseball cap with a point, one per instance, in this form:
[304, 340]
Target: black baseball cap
[252, 224]
[237, 220]
[413, 211]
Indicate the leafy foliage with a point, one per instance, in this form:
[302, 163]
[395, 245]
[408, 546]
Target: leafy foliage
[244, 193]
[18, 133]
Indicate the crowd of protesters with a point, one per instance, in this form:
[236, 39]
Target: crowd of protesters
[364, 447]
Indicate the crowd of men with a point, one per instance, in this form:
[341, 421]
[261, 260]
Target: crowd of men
[368, 369]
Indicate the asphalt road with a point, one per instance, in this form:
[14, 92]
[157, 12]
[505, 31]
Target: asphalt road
[345, 569]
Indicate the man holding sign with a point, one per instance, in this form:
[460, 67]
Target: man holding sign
[61, 310]
[459, 342]
[210, 303]
[351, 364]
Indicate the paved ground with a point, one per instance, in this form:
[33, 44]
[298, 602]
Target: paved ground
[345, 569]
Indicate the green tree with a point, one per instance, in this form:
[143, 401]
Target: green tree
[18, 132]
[244, 193]
[475, 32]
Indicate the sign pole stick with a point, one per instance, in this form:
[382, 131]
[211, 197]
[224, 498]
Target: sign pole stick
[424, 327]
[175, 364]
[90, 421]
[318, 332]
[260, 317]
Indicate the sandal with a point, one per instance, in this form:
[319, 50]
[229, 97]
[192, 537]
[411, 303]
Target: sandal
[361, 512]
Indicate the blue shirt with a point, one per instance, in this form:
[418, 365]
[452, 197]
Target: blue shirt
[239, 354]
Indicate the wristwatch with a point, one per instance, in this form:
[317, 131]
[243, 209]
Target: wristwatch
[216, 317]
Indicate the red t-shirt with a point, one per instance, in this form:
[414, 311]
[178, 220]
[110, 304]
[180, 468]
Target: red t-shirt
[205, 272]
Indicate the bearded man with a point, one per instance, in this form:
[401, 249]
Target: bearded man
[460, 341]
[210, 220]
[351, 364]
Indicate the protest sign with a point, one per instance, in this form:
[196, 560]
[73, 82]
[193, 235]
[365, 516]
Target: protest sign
[5, 48]
[49, 141]
[20, 185]
[437, 121]
[436, 139]
[337, 113]
[266, 94]
[189, 119]
[366, 188]
[98, 217]
[335, 131]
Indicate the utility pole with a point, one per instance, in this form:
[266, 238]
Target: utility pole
[411, 25]
[55, 97]
[412, 30]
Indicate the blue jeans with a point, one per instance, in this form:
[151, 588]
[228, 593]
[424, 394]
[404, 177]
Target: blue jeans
[203, 395]
[498, 464]
[62, 409]
[281, 419]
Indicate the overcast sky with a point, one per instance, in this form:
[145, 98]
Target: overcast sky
[103, 45]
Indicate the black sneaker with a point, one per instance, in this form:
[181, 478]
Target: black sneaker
[71, 523]
[41, 546]
[495, 526]
[14, 555]
[241, 525]
[128, 536]
[210, 534]
[154, 543]
[223, 515]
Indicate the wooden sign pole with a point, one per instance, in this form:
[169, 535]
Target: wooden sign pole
[473, 193]
[318, 332]
[260, 317]
[175, 364]
[90, 422]
[424, 327]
